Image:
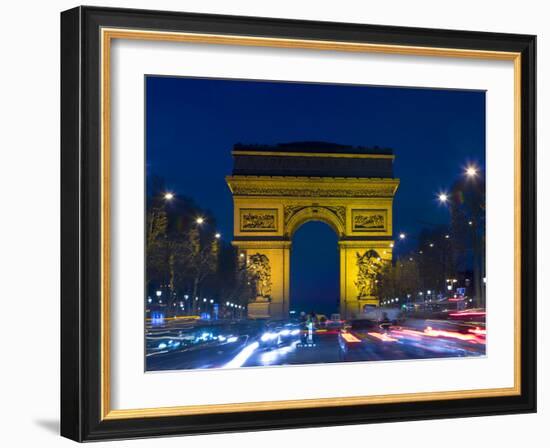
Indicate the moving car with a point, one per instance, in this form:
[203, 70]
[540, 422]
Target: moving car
[355, 337]
[469, 315]
[279, 333]
[351, 338]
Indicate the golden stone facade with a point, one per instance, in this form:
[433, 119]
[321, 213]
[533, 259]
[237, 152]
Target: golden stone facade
[269, 209]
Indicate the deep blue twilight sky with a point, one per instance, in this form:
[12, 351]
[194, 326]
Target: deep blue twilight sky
[192, 124]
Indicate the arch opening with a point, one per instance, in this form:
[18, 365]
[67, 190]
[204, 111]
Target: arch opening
[315, 269]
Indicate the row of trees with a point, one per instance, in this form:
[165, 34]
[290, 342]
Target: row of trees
[442, 252]
[426, 268]
[186, 256]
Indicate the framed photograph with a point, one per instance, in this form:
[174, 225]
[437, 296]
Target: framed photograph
[276, 224]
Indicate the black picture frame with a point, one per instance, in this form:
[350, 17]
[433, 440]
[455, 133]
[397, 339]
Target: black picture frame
[81, 224]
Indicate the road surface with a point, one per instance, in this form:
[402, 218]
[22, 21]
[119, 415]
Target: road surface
[176, 346]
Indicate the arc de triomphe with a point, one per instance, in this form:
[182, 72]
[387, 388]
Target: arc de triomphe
[278, 188]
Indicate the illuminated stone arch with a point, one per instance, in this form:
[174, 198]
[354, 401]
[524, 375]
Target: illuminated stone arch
[278, 189]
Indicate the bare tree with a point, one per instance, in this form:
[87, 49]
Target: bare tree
[199, 259]
[468, 226]
[400, 279]
[156, 249]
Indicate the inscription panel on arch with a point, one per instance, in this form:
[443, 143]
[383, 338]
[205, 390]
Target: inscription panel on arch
[258, 219]
[363, 220]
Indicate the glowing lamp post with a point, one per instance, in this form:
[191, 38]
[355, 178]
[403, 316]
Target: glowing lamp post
[471, 171]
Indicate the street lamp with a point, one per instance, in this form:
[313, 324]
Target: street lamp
[218, 236]
[159, 293]
[199, 220]
[402, 236]
[471, 171]
[168, 196]
[443, 197]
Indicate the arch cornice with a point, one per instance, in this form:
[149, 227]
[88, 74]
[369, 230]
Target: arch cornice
[331, 187]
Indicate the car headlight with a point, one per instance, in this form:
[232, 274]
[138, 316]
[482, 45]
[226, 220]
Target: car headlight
[268, 336]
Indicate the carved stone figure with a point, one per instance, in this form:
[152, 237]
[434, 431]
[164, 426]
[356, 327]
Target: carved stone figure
[369, 265]
[259, 270]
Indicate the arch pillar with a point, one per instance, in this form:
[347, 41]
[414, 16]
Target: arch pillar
[352, 299]
[276, 304]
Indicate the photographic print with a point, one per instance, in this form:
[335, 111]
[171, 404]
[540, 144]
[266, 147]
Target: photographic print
[292, 200]
[298, 223]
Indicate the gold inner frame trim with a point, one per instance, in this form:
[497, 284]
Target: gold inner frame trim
[107, 35]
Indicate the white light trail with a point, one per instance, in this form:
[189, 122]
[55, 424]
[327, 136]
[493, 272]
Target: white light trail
[242, 357]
